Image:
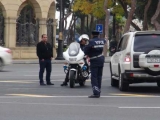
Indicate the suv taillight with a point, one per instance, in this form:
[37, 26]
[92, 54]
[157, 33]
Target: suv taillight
[127, 58]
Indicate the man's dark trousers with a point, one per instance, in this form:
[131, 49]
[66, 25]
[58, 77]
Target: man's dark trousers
[45, 64]
[96, 79]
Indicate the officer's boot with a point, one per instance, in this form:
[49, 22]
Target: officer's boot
[66, 80]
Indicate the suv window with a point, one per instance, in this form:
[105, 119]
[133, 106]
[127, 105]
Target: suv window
[123, 43]
[143, 43]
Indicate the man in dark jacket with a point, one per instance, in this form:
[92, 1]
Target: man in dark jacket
[94, 50]
[45, 54]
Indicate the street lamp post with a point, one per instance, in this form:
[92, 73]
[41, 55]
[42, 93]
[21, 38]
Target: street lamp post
[60, 40]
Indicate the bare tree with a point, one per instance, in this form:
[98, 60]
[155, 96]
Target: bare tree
[124, 6]
[155, 16]
[130, 16]
[145, 25]
[106, 26]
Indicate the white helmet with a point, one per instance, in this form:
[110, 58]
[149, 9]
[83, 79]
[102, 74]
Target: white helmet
[83, 36]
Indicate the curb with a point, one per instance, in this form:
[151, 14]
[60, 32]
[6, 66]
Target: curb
[36, 61]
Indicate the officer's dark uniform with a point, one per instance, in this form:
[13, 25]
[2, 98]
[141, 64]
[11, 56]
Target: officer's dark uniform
[44, 51]
[94, 50]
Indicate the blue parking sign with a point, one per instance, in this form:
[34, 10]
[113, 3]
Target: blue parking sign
[99, 27]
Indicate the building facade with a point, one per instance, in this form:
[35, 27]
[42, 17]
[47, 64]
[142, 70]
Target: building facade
[22, 22]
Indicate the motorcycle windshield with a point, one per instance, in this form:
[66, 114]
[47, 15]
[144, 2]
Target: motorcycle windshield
[74, 49]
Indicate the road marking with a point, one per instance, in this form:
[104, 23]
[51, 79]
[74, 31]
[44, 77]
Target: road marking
[30, 95]
[139, 107]
[28, 81]
[24, 81]
[16, 82]
[43, 96]
[54, 104]
[138, 95]
[44, 75]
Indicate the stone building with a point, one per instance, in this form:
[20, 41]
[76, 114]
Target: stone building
[22, 22]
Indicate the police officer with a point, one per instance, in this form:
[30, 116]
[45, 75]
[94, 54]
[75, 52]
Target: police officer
[94, 50]
[45, 54]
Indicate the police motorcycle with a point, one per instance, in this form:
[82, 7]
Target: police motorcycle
[78, 70]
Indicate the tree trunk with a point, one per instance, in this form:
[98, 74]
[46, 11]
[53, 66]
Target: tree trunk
[155, 16]
[91, 24]
[135, 26]
[69, 38]
[145, 25]
[82, 23]
[130, 16]
[105, 49]
[124, 6]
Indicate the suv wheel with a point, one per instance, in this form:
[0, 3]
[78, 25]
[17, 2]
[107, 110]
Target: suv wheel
[114, 82]
[123, 84]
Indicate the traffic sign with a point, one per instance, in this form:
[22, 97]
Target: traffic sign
[99, 27]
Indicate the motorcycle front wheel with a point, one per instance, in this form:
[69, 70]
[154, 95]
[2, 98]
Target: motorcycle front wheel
[72, 79]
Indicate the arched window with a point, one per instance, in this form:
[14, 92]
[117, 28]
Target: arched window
[27, 27]
[1, 28]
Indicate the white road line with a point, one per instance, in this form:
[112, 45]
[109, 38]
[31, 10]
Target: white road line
[38, 71]
[44, 75]
[53, 104]
[139, 107]
[27, 81]
[16, 82]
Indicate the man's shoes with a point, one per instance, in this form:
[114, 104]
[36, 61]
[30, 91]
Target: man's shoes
[94, 96]
[50, 83]
[42, 84]
[64, 84]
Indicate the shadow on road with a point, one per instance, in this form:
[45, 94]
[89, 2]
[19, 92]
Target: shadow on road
[144, 89]
[5, 71]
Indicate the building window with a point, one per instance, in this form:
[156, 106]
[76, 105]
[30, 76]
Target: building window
[27, 27]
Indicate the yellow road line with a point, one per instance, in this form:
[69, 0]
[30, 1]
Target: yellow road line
[29, 95]
[138, 95]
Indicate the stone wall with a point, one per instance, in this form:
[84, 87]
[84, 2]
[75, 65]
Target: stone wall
[11, 9]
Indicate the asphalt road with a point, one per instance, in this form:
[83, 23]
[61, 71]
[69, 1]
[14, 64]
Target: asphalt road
[21, 98]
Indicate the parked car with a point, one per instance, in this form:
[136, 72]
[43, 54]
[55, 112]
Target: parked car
[5, 57]
[136, 60]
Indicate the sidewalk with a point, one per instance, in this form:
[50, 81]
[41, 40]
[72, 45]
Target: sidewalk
[36, 61]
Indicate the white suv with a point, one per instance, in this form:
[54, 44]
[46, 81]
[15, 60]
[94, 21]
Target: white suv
[136, 60]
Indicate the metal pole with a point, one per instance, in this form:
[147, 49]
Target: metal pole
[60, 40]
